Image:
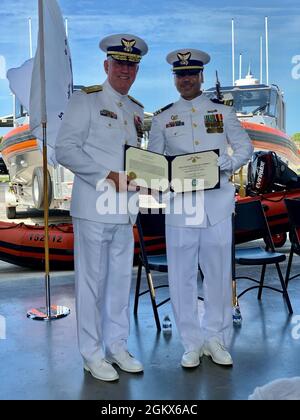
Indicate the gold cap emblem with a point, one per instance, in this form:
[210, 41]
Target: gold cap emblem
[184, 58]
[128, 44]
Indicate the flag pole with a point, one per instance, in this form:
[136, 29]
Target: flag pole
[46, 222]
[50, 311]
[236, 311]
[45, 160]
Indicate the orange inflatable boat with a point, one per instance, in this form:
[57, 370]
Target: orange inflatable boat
[23, 245]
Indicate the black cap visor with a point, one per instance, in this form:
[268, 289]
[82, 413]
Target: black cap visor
[186, 72]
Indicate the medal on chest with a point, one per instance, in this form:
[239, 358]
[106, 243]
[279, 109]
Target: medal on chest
[108, 114]
[138, 123]
[214, 123]
[173, 123]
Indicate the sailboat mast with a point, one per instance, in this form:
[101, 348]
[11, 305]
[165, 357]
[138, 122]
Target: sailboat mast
[66, 26]
[233, 52]
[240, 72]
[30, 38]
[261, 60]
[267, 50]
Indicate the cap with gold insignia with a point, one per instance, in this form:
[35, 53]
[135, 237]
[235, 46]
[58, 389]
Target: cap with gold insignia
[124, 47]
[188, 60]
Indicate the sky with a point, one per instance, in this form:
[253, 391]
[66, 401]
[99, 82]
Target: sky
[165, 25]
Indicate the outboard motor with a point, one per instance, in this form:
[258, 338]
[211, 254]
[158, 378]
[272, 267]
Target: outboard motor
[267, 173]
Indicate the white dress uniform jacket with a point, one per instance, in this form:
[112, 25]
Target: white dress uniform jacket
[182, 128]
[90, 143]
[188, 127]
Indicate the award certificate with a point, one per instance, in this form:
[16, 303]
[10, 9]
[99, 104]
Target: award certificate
[182, 173]
[193, 172]
[146, 168]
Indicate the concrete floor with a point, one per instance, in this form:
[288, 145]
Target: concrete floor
[40, 360]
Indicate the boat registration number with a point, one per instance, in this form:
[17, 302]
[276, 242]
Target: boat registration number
[41, 238]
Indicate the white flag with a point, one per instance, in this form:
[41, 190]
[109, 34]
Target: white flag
[20, 80]
[58, 76]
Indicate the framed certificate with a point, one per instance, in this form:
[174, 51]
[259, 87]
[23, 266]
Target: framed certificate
[182, 173]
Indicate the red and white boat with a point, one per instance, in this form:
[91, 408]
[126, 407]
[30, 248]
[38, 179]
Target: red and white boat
[259, 107]
[21, 153]
[23, 245]
[261, 110]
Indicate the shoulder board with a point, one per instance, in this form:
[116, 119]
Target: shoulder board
[222, 102]
[163, 109]
[217, 101]
[92, 89]
[135, 101]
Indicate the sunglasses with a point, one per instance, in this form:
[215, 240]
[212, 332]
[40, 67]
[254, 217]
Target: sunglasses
[187, 73]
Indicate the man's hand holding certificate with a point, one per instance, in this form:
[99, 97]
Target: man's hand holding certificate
[182, 173]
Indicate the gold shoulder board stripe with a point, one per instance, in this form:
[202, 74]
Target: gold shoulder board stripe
[135, 101]
[93, 89]
[163, 109]
[226, 102]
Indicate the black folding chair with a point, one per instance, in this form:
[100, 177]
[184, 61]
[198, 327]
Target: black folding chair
[150, 225]
[293, 209]
[250, 221]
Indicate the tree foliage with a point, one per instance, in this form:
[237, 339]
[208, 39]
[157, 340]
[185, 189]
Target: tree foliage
[296, 137]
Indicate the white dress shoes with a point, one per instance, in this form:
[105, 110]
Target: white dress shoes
[102, 370]
[191, 359]
[219, 354]
[126, 362]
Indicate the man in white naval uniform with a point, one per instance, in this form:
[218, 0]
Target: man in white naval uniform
[193, 124]
[97, 124]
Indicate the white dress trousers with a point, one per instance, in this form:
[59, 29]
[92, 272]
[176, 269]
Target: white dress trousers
[210, 248]
[103, 272]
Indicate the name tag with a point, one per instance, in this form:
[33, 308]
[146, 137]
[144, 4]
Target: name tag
[109, 114]
[174, 124]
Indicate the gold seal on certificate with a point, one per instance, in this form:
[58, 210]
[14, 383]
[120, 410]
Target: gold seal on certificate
[132, 175]
[193, 172]
[182, 173]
